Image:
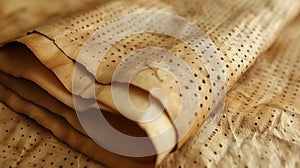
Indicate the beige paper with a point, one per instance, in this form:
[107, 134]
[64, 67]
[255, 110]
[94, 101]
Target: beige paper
[18, 17]
[65, 132]
[25, 143]
[241, 30]
[261, 121]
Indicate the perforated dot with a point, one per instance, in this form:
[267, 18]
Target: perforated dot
[261, 107]
[32, 143]
[239, 40]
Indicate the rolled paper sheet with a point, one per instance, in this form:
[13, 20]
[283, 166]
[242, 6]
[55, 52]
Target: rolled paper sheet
[25, 89]
[68, 133]
[239, 32]
[11, 57]
[30, 68]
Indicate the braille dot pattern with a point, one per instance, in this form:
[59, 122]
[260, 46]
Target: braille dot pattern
[259, 126]
[239, 40]
[24, 143]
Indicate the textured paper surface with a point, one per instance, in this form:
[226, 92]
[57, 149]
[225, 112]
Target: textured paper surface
[18, 17]
[24, 143]
[239, 48]
[260, 124]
